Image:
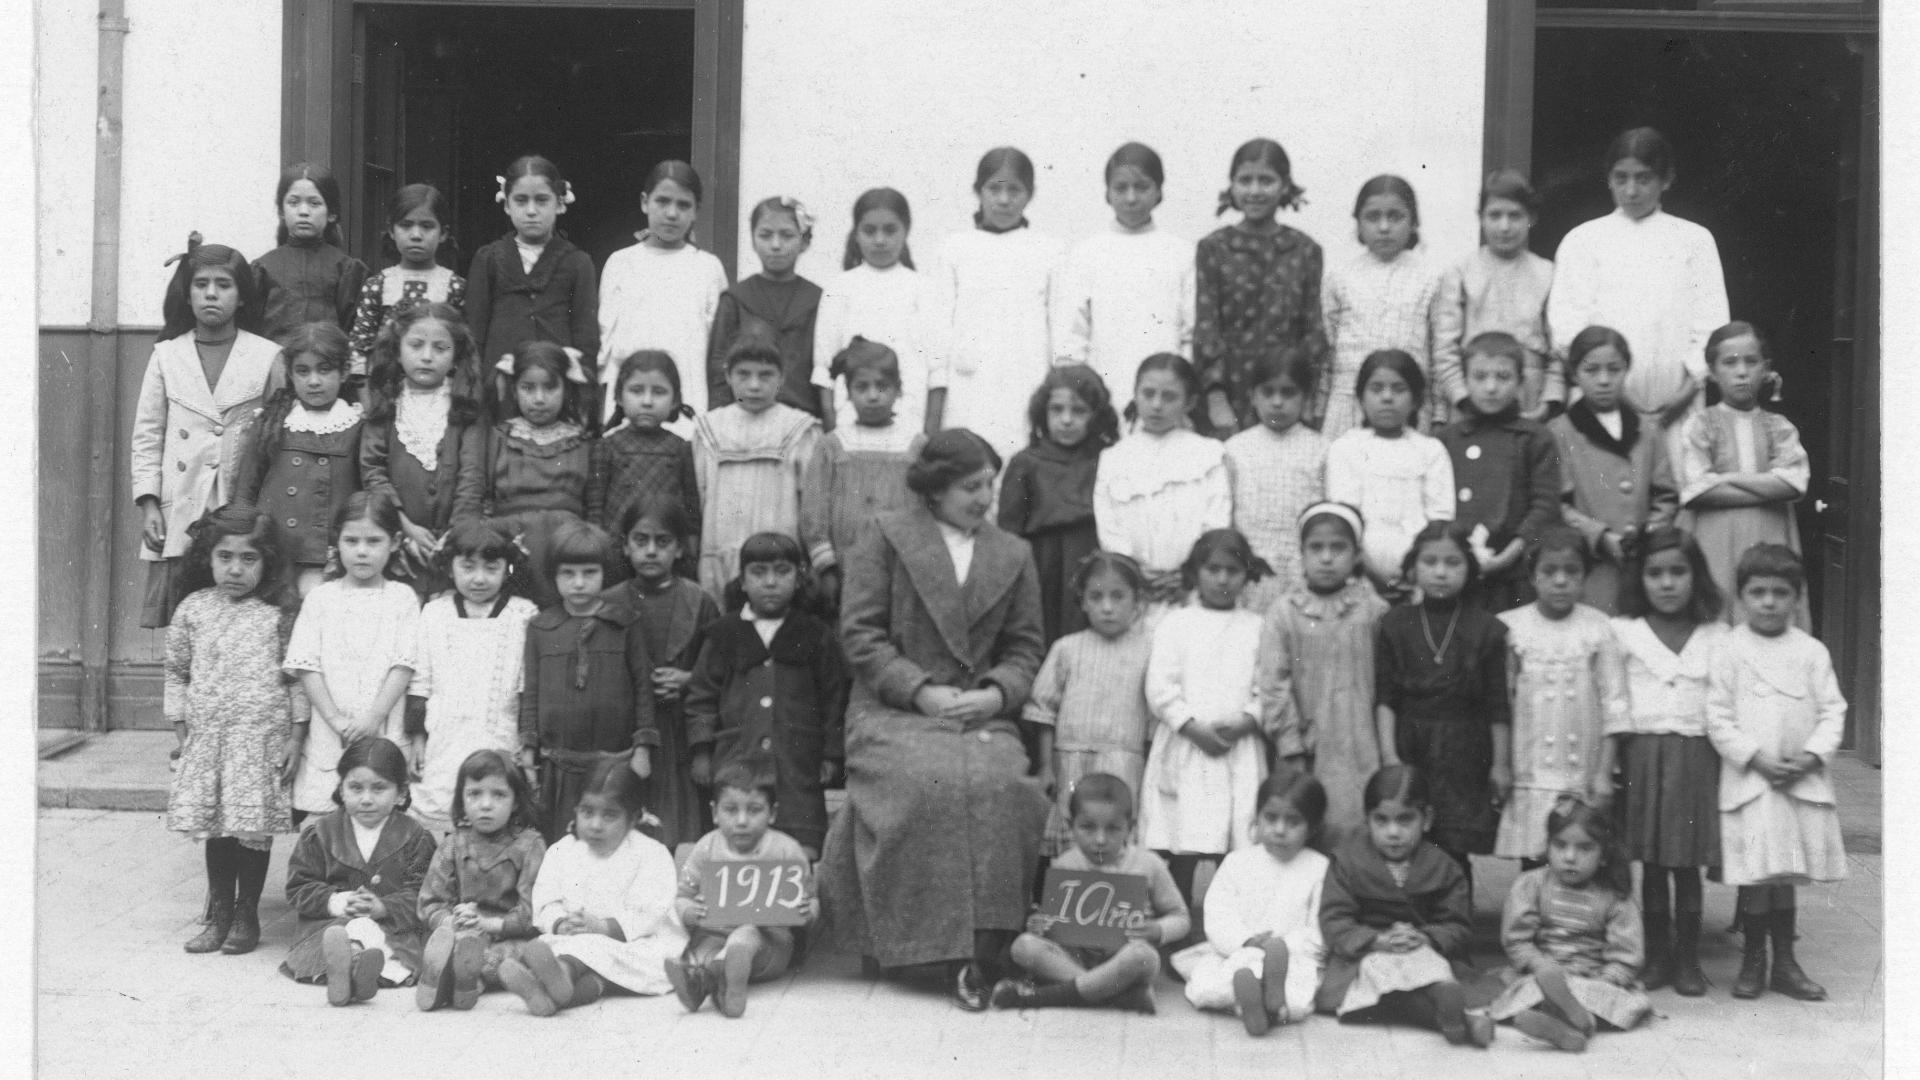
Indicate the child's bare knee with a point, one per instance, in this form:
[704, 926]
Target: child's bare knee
[746, 937]
[1141, 959]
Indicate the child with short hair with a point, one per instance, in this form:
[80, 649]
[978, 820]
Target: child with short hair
[1396, 913]
[477, 901]
[882, 298]
[1568, 688]
[1276, 468]
[777, 302]
[640, 457]
[603, 903]
[1670, 634]
[1440, 676]
[1775, 714]
[1506, 469]
[721, 963]
[240, 720]
[1317, 669]
[1397, 477]
[588, 693]
[1572, 934]
[858, 469]
[1101, 814]
[303, 448]
[533, 284]
[672, 616]
[354, 880]
[1088, 707]
[1503, 286]
[771, 679]
[1616, 480]
[1046, 496]
[469, 667]
[1263, 953]
[419, 221]
[749, 457]
[309, 277]
[1741, 466]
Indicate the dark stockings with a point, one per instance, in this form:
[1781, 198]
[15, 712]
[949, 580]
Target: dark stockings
[1686, 889]
[223, 868]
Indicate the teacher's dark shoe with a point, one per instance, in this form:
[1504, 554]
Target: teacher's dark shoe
[970, 988]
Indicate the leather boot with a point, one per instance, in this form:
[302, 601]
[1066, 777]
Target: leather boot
[245, 935]
[1788, 979]
[1659, 969]
[1688, 979]
[1753, 964]
[219, 923]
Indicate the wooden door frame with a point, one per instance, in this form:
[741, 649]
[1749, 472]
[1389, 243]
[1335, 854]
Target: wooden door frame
[319, 120]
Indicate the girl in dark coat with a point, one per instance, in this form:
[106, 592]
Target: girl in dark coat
[533, 284]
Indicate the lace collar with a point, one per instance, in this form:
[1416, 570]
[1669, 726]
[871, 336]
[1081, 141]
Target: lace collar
[559, 431]
[420, 421]
[340, 417]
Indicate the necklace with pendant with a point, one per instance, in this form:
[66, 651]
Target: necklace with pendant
[1439, 651]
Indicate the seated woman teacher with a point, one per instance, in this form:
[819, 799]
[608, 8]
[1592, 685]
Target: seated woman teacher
[933, 858]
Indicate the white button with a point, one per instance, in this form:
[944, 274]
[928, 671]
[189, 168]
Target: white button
[1466, 494]
[1626, 487]
[1473, 453]
[986, 736]
[766, 703]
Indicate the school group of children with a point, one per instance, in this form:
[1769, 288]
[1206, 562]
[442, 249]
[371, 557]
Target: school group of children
[1305, 658]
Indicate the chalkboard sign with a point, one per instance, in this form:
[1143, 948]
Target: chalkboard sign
[754, 892]
[1093, 909]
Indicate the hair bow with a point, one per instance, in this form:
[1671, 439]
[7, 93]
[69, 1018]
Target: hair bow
[566, 192]
[193, 242]
[501, 195]
[575, 372]
[801, 215]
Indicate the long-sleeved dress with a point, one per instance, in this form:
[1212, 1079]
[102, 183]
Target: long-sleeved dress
[1316, 693]
[1610, 484]
[1724, 440]
[327, 859]
[1046, 499]
[1092, 691]
[1777, 694]
[352, 636]
[856, 473]
[785, 698]
[1153, 495]
[1568, 689]
[1657, 281]
[1369, 305]
[1257, 295]
[304, 281]
[1361, 898]
[222, 679]
[672, 623]
[557, 300]
[895, 307]
[470, 671]
[496, 874]
[535, 480]
[1487, 293]
[1591, 933]
[942, 826]
[1398, 485]
[1445, 708]
[1274, 476]
[630, 461]
[995, 290]
[1124, 295]
[394, 291]
[1255, 893]
[1203, 669]
[661, 298]
[1506, 476]
[784, 311]
[749, 466]
[587, 695]
[632, 885]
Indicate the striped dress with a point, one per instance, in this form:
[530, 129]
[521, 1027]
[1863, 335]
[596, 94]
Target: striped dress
[1590, 931]
[1092, 692]
[1275, 476]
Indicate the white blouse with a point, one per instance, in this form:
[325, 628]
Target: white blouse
[1124, 295]
[1399, 485]
[892, 307]
[656, 298]
[1153, 495]
[1666, 690]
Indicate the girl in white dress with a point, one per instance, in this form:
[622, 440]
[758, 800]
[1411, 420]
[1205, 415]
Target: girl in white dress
[1127, 292]
[995, 286]
[603, 904]
[662, 293]
[882, 298]
[465, 694]
[1205, 767]
[1398, 478]
[353, 648]
[1159, 488]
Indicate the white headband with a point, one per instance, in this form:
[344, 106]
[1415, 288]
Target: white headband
[1338, 509]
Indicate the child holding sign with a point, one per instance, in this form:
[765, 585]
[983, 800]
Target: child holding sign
[771, 879]
[1101, 813]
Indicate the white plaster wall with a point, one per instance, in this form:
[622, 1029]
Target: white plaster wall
[67, 46]
[862, 93]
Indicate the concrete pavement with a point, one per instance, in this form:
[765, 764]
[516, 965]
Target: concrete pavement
[117, 894]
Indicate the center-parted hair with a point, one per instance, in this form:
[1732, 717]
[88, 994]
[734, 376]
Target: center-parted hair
[1229, 542]
[1442, 532]
[1102, 561]
[423, 196]
[948, 457]
[880, 198]
[386, 378]
[1101, 788]
[1559, 538]
[373, 506]
[481, 538]
[326, 184]
[661, 363]
[680, 173]
[552, 359]
[326, 343]
[380, 755]
[1705, 602]
[1594, 337]
[1397, 783]
[613, 780]
[1271, 154]
[534, 165]
[1401, 363]
[1299, 789]
[1389, 184]
[484, 763]
[1182, 369]
[1511, 185]
[1136, 155]
[1645, 145]
[1103, 427]
[665, 511]
[176, 308]
[1291, 362]
[260, 531]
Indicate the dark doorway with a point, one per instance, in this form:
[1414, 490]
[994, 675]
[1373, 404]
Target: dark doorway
[449, 95]
[1760, 123]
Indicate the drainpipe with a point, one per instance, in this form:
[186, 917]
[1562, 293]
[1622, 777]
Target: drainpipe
[102, 380]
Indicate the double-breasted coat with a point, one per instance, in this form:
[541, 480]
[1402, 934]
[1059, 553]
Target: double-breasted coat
[942, 826]
[1610, 484]
[300, 484]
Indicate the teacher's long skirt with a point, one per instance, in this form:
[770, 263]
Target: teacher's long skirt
[939, 837]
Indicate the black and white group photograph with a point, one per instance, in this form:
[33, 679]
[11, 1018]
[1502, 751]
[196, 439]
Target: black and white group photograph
[1109, 538]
